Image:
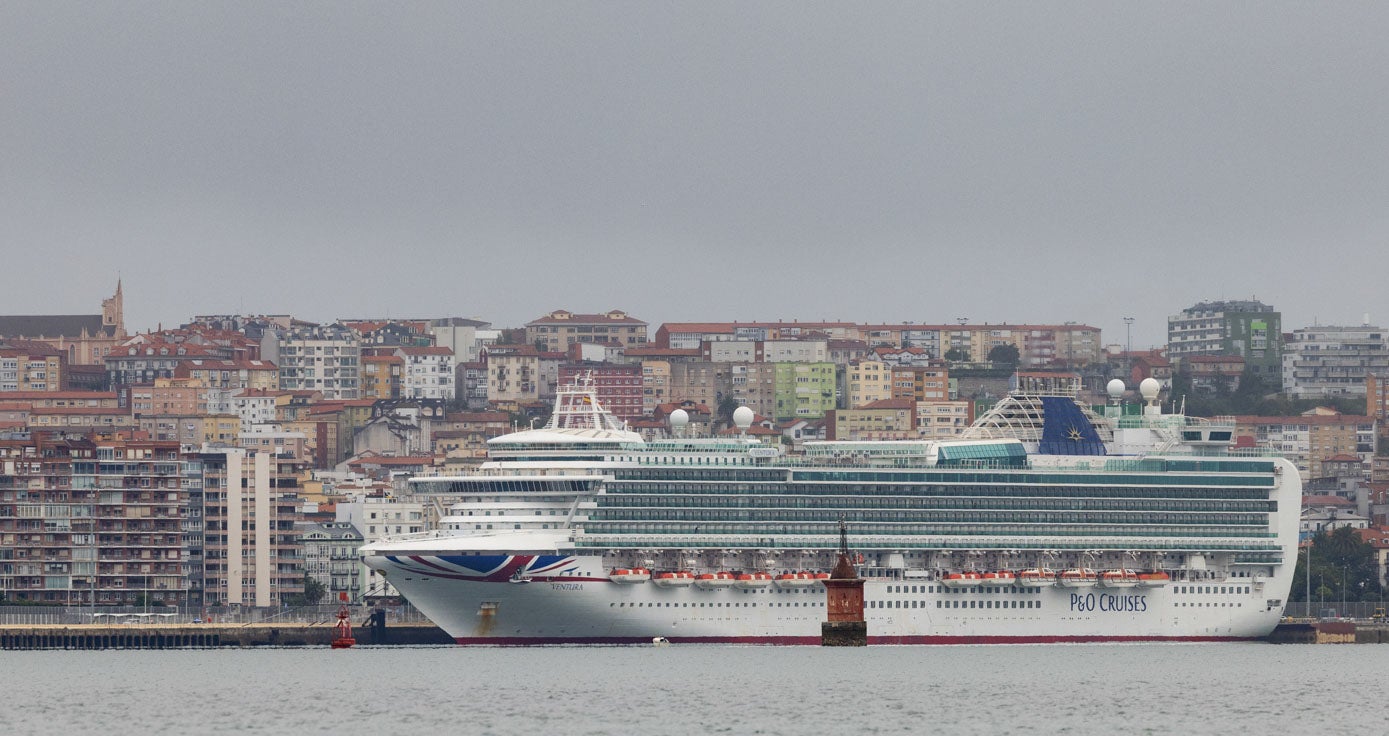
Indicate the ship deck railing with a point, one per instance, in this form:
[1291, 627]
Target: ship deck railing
[831, 541]
[1082, 463]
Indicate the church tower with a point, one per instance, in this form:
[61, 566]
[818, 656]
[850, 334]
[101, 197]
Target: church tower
[113, 312]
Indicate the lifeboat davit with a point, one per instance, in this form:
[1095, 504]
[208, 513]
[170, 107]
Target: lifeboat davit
[630, 575]
[1000, 579]
[1079, 577]
[753, 580]
[676, 579]
[1119, 578]
[1037, 577]
[794, 580]
[1154, 579]
[963, 580]
[714, 580]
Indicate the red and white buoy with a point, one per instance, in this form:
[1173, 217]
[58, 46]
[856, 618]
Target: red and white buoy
[342, 632]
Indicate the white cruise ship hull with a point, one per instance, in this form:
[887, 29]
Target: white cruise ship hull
[566, 600]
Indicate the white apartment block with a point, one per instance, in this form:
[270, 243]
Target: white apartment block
[428, 374]
[318, 358]
[253, 407]
[1333, 361]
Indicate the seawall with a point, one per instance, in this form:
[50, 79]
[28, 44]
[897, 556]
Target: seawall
[197, 636]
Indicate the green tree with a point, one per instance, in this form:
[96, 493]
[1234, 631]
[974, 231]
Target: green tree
[313, 591]
[1004, 355]
[957, 355]
[727, 405]
[1343, 568]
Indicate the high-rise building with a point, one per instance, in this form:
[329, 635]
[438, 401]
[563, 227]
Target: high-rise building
[250, 507]
[91, 520]
[1249, 329]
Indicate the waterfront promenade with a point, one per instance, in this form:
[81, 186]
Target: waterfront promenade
[143, 635]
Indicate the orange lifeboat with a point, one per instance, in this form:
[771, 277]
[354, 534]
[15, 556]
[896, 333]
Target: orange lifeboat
[714, 580]
[674, 579]
[630, 575]
[1037, 577]
[753, 580]
[794, 580]
[820, 577]
[1080, 577]
[1154, 579]
[1119, 578]
[1000, 579]
[963, 580]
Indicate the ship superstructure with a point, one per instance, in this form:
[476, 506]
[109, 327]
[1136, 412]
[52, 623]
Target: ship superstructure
[991, 538]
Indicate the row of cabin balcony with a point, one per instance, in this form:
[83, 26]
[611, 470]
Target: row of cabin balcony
[866, 542]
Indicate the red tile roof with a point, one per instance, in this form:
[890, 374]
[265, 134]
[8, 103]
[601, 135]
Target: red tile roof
[1325, 500]
[582, 319]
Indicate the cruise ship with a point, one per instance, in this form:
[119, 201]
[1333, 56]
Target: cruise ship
[1046, 521]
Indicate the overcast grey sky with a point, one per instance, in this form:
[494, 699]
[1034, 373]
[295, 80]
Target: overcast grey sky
[882, 162]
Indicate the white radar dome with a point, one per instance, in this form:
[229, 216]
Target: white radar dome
[1115, 388]
[742, 417]
[1149, 389]
[679, 418]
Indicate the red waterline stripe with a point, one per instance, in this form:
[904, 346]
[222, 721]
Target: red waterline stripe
[815, 640]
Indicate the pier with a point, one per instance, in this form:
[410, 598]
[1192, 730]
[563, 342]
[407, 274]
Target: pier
[1330, 632]
[205, 636]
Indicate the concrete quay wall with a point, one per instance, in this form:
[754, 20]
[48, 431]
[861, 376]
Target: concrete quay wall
[199, 636]
[1330, 632]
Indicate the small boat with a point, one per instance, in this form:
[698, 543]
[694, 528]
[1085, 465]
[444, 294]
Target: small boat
[1037, 577]
[1119, 578]
[963, 580]
[630, 575]
[714, 580]
[1078, 577]
[1000, 579]
[1154, 579]
[753, 580]
[794, 580]
[674, 579]
[820, 577]
[660, 641]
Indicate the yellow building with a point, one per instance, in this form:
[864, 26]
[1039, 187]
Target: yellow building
[31, 367]
[867, 381]
[891, 419]
[382, 376]
[560, 329]
[655, 384]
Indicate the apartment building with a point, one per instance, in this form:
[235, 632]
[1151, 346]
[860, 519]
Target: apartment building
[867, 381]
[428, 373]
[1333, 361]
[325, 358]
[330, 558]
[558, 330]
[91, 520]
[35, 367]
[1310, 440]
[803, 390]
[251, 505]
[619, 387]
[1250, 329]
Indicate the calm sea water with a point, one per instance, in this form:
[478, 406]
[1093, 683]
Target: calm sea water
[1079, 689]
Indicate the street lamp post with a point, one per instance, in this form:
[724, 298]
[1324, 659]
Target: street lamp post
[1128, 336]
